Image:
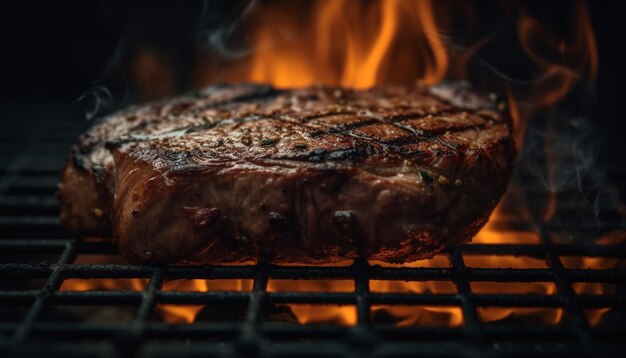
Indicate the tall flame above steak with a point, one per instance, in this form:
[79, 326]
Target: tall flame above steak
[313, 175]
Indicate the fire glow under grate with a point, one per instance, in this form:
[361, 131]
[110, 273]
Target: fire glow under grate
[39, 262]
[574, 328]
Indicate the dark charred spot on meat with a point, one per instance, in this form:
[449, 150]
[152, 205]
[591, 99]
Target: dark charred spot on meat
[317, 155]
[340, 122]
[320, 155]
[346, 153]
[418, 134]
[383, 133]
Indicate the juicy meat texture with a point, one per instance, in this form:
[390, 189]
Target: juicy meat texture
[242, 172]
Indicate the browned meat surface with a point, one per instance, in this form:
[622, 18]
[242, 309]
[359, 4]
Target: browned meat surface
[313, 175]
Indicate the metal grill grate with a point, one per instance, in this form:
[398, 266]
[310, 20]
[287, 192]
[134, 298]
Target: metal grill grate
[30, 231]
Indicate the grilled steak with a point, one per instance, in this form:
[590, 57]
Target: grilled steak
[314, 175]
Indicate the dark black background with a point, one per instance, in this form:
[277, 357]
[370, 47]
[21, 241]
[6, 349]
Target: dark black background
[53, 52]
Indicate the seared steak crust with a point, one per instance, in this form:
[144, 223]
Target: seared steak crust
[314, 175]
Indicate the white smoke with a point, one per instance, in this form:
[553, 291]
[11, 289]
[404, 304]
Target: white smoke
[99, 98]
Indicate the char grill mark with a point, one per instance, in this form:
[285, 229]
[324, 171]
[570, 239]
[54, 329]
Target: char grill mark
[423, 124]
[340, 123]
[313, 175]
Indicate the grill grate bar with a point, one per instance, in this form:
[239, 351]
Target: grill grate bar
[362, 292]
[248, 343]
[532, 250]
[42, 270]
[574, 314]
[471, 320]
[54, 282]
[148, 302]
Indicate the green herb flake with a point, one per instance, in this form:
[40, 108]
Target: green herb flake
[268, 141]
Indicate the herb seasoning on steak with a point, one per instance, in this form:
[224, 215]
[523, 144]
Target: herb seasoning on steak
[314, 175]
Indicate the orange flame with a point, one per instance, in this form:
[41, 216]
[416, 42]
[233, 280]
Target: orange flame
[362, 44]
[349, 43]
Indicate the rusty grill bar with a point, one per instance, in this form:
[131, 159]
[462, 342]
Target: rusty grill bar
[30, 227]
